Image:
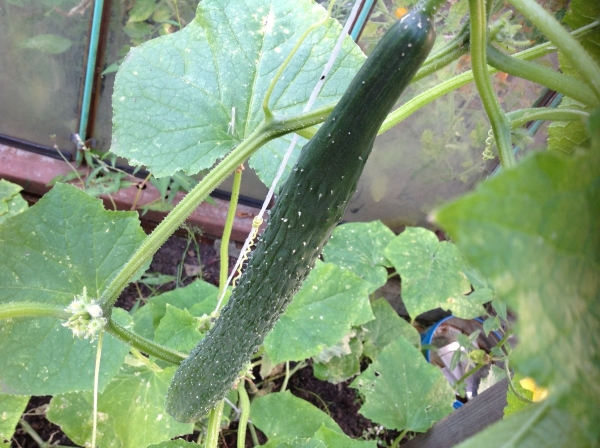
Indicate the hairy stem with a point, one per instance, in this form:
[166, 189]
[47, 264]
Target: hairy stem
[224, 253]
[244, 416]
[538, 73]
[214, 425]
[481, 76]
[96, 380]
[457, 47]
[145, 345]
[32, 309]
[564, 41]
[520, 117]
[264, 133]
[457, 81]
[265, 105]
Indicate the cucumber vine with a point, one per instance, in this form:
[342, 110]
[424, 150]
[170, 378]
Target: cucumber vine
[88, 317]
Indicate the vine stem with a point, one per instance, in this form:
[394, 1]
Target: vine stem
[398, 439]
[144, 345]
[520, 117]
[266, 131]
[538, 73]
[261, 135]
[467, 375]
[265, 105]
[481, 76]
[457, 81]
[512, 385]
[224, 252]
[564, 41]
[214, 425]
[96, 381]
[32, 309]
[244, 416]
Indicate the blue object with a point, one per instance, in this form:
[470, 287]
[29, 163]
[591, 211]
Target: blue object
[89, 73]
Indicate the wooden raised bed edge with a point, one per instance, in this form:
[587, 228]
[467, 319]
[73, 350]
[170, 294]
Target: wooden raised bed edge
[33, 172]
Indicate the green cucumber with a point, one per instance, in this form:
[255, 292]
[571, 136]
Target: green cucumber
[309, 206]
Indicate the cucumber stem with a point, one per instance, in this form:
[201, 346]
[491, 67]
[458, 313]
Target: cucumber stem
[214, 425]
[244, 416]
[498, 120]
[419, 101]
[264, 133]
[569, 46]
[224, 252]
[145, 345]
[32, 309]
[96, 381]
[265, 104]
[538, 73]
[520, 117]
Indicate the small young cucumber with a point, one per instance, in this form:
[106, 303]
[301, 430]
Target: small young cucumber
[311, 203]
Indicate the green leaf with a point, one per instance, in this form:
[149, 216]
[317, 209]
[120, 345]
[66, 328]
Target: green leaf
[132, 411]
[11, 202]
[174, 444]
[329, 303]
[581, 13]
[514, 403]
[178, 330]
[40, 357]
[402, 390]
[566, 136]
[340, 368]
[387, 327]
[333, 439]
[535, 426]
[174, 96]
[359, 247]
[198, 298]
[142, 10]
[534, 231]
[11, 408]
[138, 31]
[46, 43]
[282, 416]
[302, 443]
[143, 322]
[48, 254]
[432, 274]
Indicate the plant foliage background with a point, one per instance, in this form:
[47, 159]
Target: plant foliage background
[531, 232]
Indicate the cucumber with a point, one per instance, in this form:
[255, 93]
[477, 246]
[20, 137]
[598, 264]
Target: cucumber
[309, 206]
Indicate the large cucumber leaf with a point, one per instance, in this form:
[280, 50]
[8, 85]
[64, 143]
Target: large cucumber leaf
[402, 390]
[534, 231]
[329, 303]
[11, 202]
[131, 409]
[387, 327]
[432, 274]
[175, 96]
[178, 330]
[359, 247]
[533, 427]
[11, 408]
[48, 254]
[289, 421]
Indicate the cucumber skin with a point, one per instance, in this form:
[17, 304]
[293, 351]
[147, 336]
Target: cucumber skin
[310, 205]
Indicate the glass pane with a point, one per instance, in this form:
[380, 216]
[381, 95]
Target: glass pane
[433, 156]
[132, 23]
[41, 68]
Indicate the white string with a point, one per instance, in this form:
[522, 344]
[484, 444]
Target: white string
[311, 100]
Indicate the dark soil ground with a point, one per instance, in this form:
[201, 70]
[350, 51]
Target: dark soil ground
[180, 255]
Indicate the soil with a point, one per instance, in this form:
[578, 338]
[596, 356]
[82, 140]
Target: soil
[180, 255]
